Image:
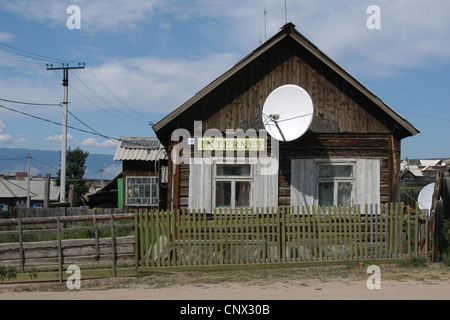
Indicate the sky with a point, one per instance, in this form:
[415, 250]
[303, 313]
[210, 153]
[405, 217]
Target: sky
[144, 58]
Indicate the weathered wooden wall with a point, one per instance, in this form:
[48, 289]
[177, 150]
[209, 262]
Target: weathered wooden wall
[346, 123]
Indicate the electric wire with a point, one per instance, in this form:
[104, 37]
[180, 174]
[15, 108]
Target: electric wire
[31, 103]
[56, 123]
[112, 93]
[21, 60]
[107, 103]
[93, 103]
[60, 105]
[28, 53]
[32, 158]
[31, 55]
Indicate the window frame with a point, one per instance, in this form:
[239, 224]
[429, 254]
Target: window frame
[336, 181]
[150, 199]
[233, 179]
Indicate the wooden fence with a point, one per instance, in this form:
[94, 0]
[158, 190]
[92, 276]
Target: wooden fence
[284, 234]
[97, 250]
[61, 212]
[225, 237]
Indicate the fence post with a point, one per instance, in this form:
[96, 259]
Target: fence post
[136, 241]
[22, 254]
[60, 259]
[147, 246]
[438, 213]
[113, 245]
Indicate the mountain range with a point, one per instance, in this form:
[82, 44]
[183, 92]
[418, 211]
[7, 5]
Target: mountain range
[14, 160]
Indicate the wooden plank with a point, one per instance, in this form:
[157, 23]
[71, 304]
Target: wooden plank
[136, 242]
[147, 240]
[60, 253]
[22, 253]
[157, 234]
[168, 243]
[319, 230]
[153, 255]
[113, 245]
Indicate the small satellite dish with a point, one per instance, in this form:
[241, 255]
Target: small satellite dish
[287, 112]
[425, 197]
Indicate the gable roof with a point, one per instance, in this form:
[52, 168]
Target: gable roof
[289, 31]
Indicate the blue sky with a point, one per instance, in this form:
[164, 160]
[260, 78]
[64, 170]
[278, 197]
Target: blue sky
[145, 58]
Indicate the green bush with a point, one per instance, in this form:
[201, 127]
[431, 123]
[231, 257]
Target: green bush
[7, 273]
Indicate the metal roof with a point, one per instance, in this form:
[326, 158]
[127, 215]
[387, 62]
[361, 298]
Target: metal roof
[142, 149]
[18, 189]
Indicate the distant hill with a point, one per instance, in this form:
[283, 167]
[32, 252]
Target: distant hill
[14, 160]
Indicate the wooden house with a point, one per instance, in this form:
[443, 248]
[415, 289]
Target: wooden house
[142, 183]
[350, 153]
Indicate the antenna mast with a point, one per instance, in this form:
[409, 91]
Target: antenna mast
[265, 20]
[285, 11]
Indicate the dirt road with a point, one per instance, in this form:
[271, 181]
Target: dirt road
[330, 283]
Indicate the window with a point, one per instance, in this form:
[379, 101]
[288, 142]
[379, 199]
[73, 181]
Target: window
[142, 191]
[233, 185]
[335, 184]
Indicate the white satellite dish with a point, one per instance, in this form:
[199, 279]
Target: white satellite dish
[425, 198]
[287, 112]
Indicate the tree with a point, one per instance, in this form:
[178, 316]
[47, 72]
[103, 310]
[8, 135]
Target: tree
[75, 169]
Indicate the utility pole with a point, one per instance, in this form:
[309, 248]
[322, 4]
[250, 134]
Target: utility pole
[65, 67]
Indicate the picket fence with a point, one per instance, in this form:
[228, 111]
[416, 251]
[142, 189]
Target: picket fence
[279, 235]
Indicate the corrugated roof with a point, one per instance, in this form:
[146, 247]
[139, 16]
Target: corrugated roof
[18, 189]
[142, 149]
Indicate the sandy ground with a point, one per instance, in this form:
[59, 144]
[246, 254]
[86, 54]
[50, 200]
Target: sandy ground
[330, 283]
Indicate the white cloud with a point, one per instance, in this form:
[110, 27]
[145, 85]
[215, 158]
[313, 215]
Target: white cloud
[93, 142]
[5, 37]
[20, 139]
[150, 84]
[95, 15]
[4, 137]
[412, 33]
[58, 137]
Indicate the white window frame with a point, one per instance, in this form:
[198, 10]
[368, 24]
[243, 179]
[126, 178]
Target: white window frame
[233, 179]
[336, 180]
[155, 182]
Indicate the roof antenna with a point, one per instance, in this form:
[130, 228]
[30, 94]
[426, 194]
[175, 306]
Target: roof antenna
[285, 11]
[265, 20]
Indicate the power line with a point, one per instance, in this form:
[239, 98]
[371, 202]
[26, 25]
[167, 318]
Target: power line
[96, 105]
[21, 60]
[28, 53]
[32, 103]
[59, 105]
[107, 103]
[126, 105]
[57, 123]
[44, 164]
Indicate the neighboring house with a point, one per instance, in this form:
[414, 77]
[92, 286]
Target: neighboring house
[144, 169]
[105, 197]
[14, 192]
[349, 155]
[411, 173]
